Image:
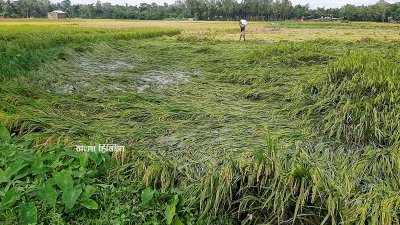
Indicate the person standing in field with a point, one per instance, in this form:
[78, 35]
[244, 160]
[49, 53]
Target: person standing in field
[242, 25]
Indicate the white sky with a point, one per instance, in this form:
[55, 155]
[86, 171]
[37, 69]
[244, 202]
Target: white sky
[337, 3]
[313, 3]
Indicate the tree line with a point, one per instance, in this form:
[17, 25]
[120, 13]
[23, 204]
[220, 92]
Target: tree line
[201, 10]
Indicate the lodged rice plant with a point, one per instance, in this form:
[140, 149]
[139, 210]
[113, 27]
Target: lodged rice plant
[303, 183]
[358, 101]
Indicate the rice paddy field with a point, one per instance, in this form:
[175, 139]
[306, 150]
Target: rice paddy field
[297, 125]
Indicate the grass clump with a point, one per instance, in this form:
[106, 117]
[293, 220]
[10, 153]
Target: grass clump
[358, 102]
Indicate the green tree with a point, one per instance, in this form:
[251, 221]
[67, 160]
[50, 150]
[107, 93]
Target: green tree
[348, 12]
[98, 10]
[66, 6]
[382, 9]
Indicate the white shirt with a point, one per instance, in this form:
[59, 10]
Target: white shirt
[243, 23]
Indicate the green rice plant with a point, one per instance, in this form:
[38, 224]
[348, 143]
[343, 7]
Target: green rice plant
[24, 47]
[291, 54]
[358, 102]
[303, 183]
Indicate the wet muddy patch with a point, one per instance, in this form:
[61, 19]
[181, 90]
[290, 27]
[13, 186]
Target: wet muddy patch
[160, 79]
[116, 75]
[106, 68]
[151, 81]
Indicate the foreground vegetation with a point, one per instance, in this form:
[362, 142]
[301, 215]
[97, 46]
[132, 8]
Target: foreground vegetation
[216, 131]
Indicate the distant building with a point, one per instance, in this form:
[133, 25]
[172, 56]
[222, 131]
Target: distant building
[392, 20]
[326, 19]
[56, 15]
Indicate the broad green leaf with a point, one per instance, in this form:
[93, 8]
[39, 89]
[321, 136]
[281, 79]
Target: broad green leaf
[14, 169]
[106, 159]
[79, 173]
[51, 181]
[70, 196]
[147, 195]
[10, 197]
[170, 213]
[96, 157]
[64, 180]
[55, 158]
[27, 157]
[3, 177]
[38, 167]
[23, 173]
[177, 221]
[29, 139]
[90, 190]
[4, 133]
[175, 200]
[73, 153]
[9, 151]
[89, 203]
[48, 194]
[84, 160]
[27, 213]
